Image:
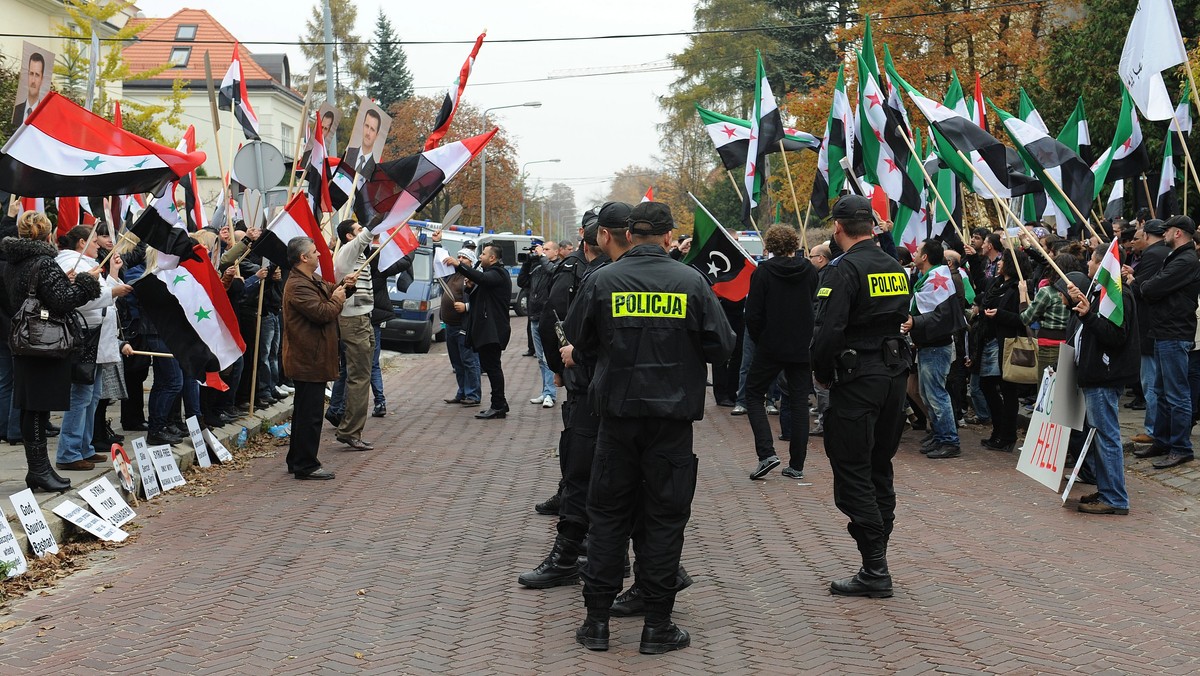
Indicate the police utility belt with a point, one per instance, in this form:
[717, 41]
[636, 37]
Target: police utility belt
[882, 354]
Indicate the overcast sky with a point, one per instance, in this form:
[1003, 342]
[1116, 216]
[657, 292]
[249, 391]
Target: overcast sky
[595, 125]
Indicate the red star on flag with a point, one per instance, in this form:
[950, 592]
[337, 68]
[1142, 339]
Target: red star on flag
[938, 281]
[875, 99]
[878, 135]
[891, 165]
[1128, 144]
[730, 132]
[753, 137]
[911, 246]
[751, 173]
[789, 131]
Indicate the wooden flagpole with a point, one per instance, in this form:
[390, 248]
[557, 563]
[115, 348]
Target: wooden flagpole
[1025, 230]
[795, 202]
[928, 179]
[1187, 154]
[312, 75]
[740, 196]
[262, 288]
[1149, 199]
[216, 125]
[1073, 207]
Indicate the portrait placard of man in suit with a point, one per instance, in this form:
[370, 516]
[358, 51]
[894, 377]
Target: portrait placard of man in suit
[37, 66]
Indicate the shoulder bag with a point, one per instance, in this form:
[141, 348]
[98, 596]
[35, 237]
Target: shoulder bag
[37, 332]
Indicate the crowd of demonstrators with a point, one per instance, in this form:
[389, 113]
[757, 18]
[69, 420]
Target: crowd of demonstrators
[119, 347]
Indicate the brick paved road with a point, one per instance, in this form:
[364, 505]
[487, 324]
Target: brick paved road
[407, 563]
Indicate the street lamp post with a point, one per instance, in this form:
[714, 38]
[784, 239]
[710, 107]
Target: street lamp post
[483, 160]
[523, 190]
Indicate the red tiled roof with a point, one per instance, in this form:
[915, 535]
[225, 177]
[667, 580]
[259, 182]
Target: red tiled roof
[154, 45]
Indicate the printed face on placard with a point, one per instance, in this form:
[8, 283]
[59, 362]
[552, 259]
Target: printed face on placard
[370, 133]
[329, 118]
[37, 66]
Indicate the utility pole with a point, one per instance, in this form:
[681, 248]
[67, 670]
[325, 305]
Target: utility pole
[330, 76]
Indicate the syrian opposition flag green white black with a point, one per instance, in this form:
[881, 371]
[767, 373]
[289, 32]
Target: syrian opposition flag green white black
[837, 144]
[947, 186]
[1052, 162]
[401, 187]
[1153, 45]
[193, 207]
[932, 288]
[766, 131]
[731, 138]
[1075, 134]
[1126, 157]
[955, 99]
[1115, 207]
[723, 261]
[453, 96]
[189, 307]
[63, 150]
[233, 95]
[911, 224]
[295, 220]
[1108, 280]
[160, 226]
[1167, 203]
[880, 164]
[1182, 121]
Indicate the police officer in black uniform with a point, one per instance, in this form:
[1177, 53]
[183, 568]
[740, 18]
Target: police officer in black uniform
[860, 354]
[577, 442]
[650, 325]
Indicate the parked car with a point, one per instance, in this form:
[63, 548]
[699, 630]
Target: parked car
[416, 322]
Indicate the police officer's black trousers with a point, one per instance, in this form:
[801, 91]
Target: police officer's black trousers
[646, 464]
[576, 448]
[862, 430]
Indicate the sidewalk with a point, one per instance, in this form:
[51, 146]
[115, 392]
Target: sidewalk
[407, 563]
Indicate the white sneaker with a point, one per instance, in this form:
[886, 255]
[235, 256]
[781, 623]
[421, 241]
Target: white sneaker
[536, 400]
[286, 388]
[547, 402]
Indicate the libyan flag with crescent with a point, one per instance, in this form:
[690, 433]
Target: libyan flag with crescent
[722, 260]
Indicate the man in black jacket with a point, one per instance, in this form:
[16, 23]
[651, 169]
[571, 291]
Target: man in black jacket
[535, 277]
[1107, 357]
[487, 322]
[1170, 299]
[779, 318]
[1151, 251]
[649, 325]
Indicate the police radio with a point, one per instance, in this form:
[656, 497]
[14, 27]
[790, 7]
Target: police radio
[558, 330]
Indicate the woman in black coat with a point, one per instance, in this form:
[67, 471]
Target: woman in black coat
[1000, 319]
[42, 384]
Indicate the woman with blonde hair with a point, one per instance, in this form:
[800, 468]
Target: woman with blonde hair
[42, 384]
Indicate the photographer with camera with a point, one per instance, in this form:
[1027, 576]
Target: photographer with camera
[536, 274]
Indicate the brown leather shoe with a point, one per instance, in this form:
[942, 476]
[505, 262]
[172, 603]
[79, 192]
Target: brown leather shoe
[1142, 438]
[78, 465]
[97, 459]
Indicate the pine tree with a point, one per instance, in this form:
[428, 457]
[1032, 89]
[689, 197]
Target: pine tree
[388, 78]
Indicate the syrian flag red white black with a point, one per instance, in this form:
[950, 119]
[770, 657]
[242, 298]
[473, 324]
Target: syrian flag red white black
[193, 207]
[189, 307]
[979, 110]
[64, 150]
[71, 212]
[453, 96]
[296, 220]
[233, 95]
[161, 227]
[33, 204]
[718, 256]
[649, 196]
[397, 242]
[316, 173]
[341, 182]
[401, 187]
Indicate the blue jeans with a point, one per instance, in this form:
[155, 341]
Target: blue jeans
[75, 440]
[270, 334]
[1193, 381]
[191, 397]
[337, 396]
[978, 401]
[10, 418]
[747, 357]
[1173, 414]
[1149, 391]
[933, 365]
[548, 387]
[376, 372]
[465, 362]
[1108, 459]
[168, 382]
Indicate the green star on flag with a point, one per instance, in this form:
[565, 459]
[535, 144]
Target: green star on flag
[93, 163]
[139, 165]
[178, 279]
[203, 314]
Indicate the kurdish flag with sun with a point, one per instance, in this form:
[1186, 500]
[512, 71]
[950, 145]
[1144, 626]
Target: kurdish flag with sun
[1108, 281]
[192, 313]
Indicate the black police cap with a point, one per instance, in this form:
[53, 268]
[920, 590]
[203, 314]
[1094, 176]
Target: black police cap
[613, 215]
[852, 208]
[651, 218]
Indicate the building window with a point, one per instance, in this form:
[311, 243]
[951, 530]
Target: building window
[289, 139]
[185, 33]
[180, 56]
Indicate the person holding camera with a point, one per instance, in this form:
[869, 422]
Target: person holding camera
[536, 274]
[42, 384]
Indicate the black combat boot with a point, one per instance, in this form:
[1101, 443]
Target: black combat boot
[593, 633]
[551, 506]
[560, 568]
[658, 640]
[630, 602]
[872, 580]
